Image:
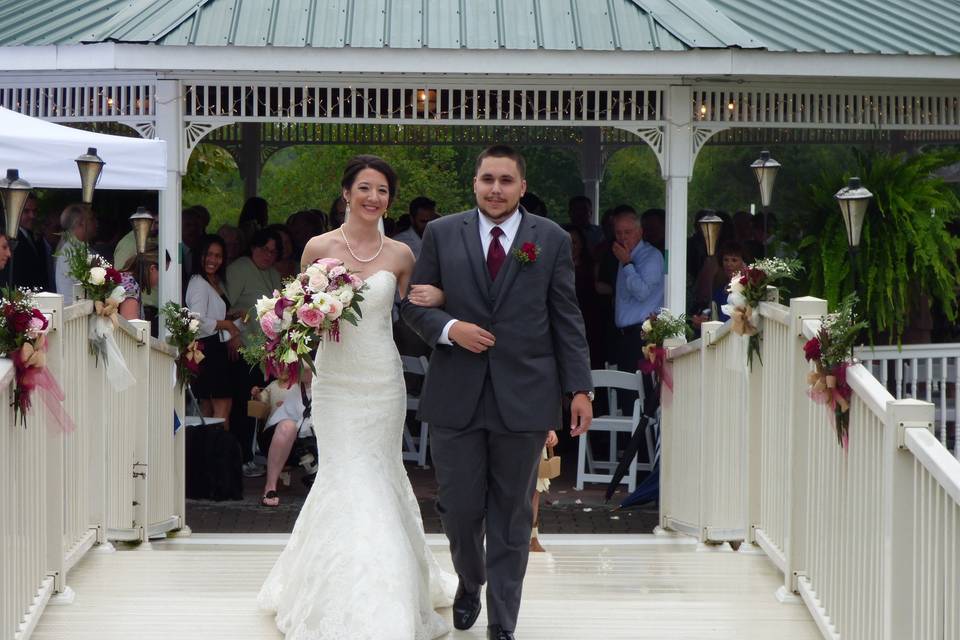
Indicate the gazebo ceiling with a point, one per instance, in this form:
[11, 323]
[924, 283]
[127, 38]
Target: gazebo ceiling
[928, 27]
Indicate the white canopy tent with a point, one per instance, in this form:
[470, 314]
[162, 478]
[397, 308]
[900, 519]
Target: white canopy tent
[45, 152]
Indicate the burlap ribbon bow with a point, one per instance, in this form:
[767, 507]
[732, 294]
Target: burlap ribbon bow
[108, 309]
[823, 384]
[741, 321]
[194, 353]
[34, 356]
[650, 352]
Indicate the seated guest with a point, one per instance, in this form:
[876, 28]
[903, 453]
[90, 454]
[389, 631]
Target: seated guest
[207, 297]
[289, 419]
[79, 225]
[287, 264]
[4, 250]
[141, 266]
[126, 250]
[231, 240]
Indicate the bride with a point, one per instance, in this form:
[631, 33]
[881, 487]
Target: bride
[357, 566]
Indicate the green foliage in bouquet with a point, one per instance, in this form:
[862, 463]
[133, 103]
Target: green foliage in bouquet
[907, 249]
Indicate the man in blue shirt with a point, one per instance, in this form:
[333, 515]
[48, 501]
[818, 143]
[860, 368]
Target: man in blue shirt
[639, 288]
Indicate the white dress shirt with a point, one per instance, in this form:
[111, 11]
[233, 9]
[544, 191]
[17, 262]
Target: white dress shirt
[510, 226]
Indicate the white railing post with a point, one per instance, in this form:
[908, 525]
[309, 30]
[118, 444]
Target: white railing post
[708, 421]
[52, 305]
[753, 452]
[798, 457]
[898, 516]
[141, 416]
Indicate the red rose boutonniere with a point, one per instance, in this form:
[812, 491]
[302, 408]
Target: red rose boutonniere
[527, 253]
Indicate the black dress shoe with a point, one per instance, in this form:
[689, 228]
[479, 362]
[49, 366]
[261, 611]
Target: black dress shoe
[495, 632]
[466, 608]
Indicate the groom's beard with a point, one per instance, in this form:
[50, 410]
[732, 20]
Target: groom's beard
[497, 218]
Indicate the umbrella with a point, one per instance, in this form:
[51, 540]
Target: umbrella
[624, 465]
[647, 491]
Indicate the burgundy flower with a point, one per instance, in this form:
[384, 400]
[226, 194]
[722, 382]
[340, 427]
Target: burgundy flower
[21, 321]
[281, 305]
[811, 349]
[114, 276]
[756, 276]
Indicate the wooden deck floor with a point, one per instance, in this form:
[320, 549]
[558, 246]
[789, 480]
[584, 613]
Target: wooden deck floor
[586, 587]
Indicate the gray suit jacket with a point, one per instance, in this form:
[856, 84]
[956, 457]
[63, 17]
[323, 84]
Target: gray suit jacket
[541, 351]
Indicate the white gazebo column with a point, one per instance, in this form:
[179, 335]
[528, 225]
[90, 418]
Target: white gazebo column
[169, 113]
[677, 167]
[591, 167]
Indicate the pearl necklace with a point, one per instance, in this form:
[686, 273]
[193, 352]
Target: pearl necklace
[355, 256]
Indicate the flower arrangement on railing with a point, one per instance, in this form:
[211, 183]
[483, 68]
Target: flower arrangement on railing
[23, 339]
[101, 283]
[658, 327]
[747, 289]
[183, 327]
[831, 351]
[294, 321]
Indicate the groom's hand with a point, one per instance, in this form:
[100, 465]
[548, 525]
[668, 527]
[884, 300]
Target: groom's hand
[581, 414]
[471, 337]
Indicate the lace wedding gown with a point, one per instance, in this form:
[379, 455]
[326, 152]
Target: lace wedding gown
[357, 566]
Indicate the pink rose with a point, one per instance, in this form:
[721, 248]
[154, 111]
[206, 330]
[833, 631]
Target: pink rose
[270, 323]
[328, 263]
[355, 281]
[310, 316]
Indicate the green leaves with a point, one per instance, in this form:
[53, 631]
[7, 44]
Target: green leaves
[907, 256]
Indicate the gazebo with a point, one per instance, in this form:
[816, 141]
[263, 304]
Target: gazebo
[596, 74]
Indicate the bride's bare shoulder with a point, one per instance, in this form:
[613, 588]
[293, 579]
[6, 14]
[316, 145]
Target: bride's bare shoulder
[319, 246]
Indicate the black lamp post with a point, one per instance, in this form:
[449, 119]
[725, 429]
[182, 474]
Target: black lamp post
[765, 169]
[14, 192]
[141, 221]
[710, 228]
[90, 166]
[853, 200]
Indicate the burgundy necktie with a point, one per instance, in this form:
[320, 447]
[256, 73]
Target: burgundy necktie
[495, 254]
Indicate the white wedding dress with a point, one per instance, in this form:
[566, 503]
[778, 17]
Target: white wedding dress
[357, 566]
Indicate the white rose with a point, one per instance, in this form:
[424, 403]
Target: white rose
[265, 304]
[194, 326]
[97, 276]
[287, 318]
[735, 286]
[646, 327]
[336, 309]
[736, 300]
[318, 281]
[337, 271]
[345, 295]
[293, 289]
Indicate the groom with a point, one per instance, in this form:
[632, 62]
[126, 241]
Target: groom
[509, 343]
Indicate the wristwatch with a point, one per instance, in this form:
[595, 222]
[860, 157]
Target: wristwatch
[589, 394]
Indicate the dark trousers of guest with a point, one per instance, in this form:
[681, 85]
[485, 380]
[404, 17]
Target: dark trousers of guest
[243, 426]
[629, 354]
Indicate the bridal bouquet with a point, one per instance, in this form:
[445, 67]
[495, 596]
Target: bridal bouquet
[101, 283]
[655, 329]
[747, 289]
[183, 327]
[23, 329]
[831, 352]
[308, 310]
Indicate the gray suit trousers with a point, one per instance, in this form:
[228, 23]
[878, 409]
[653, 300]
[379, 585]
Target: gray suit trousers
[487, 475]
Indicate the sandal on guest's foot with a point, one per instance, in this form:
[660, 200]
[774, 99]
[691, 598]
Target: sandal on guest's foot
[270, 495]
[535, 546]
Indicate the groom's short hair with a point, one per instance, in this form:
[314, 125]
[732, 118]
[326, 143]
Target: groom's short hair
[502, 151]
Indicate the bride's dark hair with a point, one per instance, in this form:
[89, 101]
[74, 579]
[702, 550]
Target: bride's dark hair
[356, 164]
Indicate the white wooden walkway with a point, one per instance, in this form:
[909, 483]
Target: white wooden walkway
[586, 587]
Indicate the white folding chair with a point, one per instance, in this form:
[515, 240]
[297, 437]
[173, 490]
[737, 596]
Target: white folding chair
[415, 448]
[589, 469]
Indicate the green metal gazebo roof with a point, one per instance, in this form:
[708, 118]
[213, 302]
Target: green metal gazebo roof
[930, 27]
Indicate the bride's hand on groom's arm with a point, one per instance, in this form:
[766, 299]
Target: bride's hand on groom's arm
[471, 337]
[426, 295]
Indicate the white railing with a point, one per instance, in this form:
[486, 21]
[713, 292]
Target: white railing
[166, 504]
[925, 372]
[707, 493]
[63, 492]
[84, 479]
[868, 537]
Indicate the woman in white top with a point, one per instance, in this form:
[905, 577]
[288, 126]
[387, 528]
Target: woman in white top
[206, 296]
